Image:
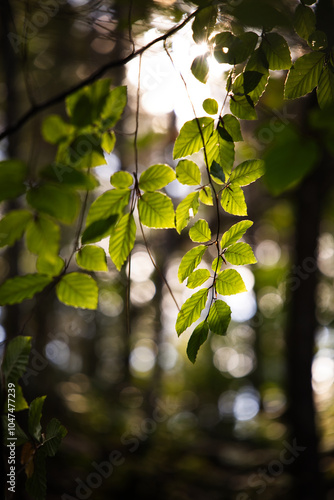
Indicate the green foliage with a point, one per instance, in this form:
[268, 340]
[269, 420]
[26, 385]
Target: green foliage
[200, 232]
[15, 290]
[13, 174]
[219, 317]
[187, 172]
[122, 240]
[78, 290]
[92, 258]
[190, 261]
[13, 225]
[186, 209]
[198, 337]
[193, 136]
[191, 310]
[156, 177]
[200, 68]
[37, 446]
[304, 75]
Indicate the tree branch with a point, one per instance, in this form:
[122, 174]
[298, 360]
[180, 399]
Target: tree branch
[33, 111]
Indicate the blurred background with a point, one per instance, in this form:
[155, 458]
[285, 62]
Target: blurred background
[241, 422]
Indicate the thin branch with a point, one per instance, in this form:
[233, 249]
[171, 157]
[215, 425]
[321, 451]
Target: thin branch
[156, 267]
[92, 78]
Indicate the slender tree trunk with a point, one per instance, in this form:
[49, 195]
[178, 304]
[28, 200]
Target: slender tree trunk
[303, 322]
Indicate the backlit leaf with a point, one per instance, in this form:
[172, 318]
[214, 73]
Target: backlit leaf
[210, 106]
[204, 24]
[304, 75]
[205, 196]
[277, 51]
[34, 417]
[114, 107]
[240, 254]
[122, 240]
[220, 150]
[49, 264]
[230, 128]
[156, 210]
[242, 107]
[190, 261]
[186, 209]
[197, 278]
[200, 68]
[121, 179]
[56, 130]
[188, 173]
[108, 141]
[190, 140]
[200, 232]
[198, 337]
[247, 172]
[109, 203]
[92, 258]
[156, 177]
[233, 200]
[13, 174]
[219, 317]
[43, 236]
[325, 90]
[78, 290]
[56, 201]
[15, 290]
[13, 225]
[235, 232]
[99, 229]
[304, 21]
[229, 282]
[191, 310]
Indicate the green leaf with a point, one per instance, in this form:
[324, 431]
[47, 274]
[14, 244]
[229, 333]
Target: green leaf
[121, 180]
[78, 290]
[304, 75]
[205, 196]
[217, 173]
[85, 152]
[114, 107]
[13, 225]
[325, 90]
[233, 200]
[156, 177]
[200, 232]
[43, 236]
[229, 282]
[217, 264]
[56, 201]
[246, 82]
[204, 24]
[235, 232]
[289, 159]
[219, 317]
[156, 210]
[108, 142]
[49, 264]
[15, 290]
[318, 40]
[68, 176]
[230, 128]
[55, 432]
[122, 240]
[258, 62]
[190, 261]
[233, 50]
[243, 107]
[197, 278]
[92, 258]
[198, 337]
[210, 106]
[200, 68]
[190, 140]
[186, 209]
[188, 173]
[304, 21]
[240, 254]
[55, 130]
[34, 418]
[220, 151]
[277, 51]
[191, 310]
[16, 358]
[85, 106]
[109, 203]
[20, 402]
[247, 172]
[13, 174]
[99, 229]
